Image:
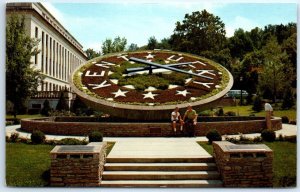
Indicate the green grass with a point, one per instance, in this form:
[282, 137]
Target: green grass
[247, 110]
[284, 163]
[25, 164]
[28, 165]
[24, 116]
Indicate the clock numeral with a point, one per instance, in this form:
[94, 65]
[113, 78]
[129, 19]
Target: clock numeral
[98, 86]
[172, 56]
[88, 74]
[204, 84]
[123, 57]
[105, 64]
[204, 71]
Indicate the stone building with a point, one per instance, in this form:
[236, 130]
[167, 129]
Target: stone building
[60, 53]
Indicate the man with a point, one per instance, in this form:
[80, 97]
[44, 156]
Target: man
[176, 118]
[190, 120]
[269, 113]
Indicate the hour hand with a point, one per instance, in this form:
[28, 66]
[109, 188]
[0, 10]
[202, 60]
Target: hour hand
[156, 65]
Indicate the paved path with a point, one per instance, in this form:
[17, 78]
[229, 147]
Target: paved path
[163, 148]
[287, 130]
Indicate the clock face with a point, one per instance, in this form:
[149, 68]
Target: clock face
[118, 78]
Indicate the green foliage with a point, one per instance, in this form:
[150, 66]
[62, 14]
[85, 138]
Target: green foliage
[114, 46]
[230, 113]
[257, 104]
[288, 98]
[220, 112]
[22, 80]
[14, 137]
[62, 104]
[132, 47]
[276, 72]
[46, 108]
[38, 137]
[71, 141]
[268, 135]
[78, 107]
[92, 54]
[213, 135]
[152, 43]
[143, 81]
[198, 32]
[95, 136]
[285, 119]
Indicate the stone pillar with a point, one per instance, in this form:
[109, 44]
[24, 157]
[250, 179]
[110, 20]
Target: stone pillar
[77, 165]
[268, 119]
[244, 165]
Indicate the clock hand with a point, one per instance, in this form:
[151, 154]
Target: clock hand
[137, 69]
[165, 67]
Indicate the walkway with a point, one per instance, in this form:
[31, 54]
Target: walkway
[161, 148]
[287, 130]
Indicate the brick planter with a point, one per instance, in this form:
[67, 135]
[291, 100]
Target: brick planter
[77, 165]
[149, 129]
[244, 165]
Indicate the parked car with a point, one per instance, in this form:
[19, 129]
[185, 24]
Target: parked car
[237, 93]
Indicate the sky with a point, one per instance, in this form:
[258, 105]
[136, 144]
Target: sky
[92, 23]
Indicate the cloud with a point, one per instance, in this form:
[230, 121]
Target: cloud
[240, 22]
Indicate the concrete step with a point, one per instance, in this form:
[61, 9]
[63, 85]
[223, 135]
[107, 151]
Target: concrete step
[160, 167]
[160, 175]
[162, 183]
[203, 159]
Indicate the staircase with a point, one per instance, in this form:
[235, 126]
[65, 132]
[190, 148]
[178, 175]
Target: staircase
[161, 172]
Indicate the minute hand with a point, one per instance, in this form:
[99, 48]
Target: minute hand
[167, 67]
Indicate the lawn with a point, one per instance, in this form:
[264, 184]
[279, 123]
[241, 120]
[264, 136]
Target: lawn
[284, 163]
[23, 116]
[247, 110]
[28, 165]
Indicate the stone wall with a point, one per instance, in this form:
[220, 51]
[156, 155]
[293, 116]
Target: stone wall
[77, 165]
[244, 165]
[110, 129]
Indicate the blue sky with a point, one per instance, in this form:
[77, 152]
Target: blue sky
[92, 23]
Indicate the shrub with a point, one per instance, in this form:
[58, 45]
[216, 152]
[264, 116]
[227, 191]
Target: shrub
[14, 137]
[257, 104]
[71, 141]
[280, 138]
[38, 137]
[293, 122]
[285, 119]
[220, 112]
[46, 108]
[268, 135]
[213, 135]
[288, 99]
[257, 139]
[95, 136]
[292, 138]
[230, 113]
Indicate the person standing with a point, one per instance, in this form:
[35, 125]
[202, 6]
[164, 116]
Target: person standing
[269, 113]
[176, 118]
[190, 120]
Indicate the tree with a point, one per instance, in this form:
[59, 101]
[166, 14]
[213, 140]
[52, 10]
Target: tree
[92, 54]
[113, 46]
[133, 47]
[276, 71]
[288, 98]
[198, 32]
[22, 79]
[152, 43]
[46, 108]
[62, 104]
[164, 44]
[257, 104]
[240, 44]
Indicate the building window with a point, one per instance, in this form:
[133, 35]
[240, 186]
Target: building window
[46, 66]
[43, 39]
[36, 36]
[50, 56]
[53, 63]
